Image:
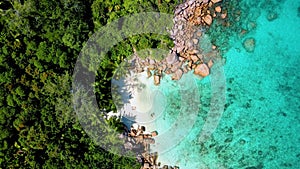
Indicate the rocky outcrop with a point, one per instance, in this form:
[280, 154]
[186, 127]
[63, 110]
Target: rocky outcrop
[191, 19]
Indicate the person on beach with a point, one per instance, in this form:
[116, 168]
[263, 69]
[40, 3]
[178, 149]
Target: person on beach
[133, 133]
[133, 129]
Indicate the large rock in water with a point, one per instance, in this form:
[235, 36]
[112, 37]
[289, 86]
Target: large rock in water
[149, 74]
[202, 70]
[218, 9]
[156, 79]
[208, 19]
[249, 44]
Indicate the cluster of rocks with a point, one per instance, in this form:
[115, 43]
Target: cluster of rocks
[138, 140]
[190, 21]
[169, 167]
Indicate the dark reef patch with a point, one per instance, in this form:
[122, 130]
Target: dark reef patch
[249, 44]
[272, 15]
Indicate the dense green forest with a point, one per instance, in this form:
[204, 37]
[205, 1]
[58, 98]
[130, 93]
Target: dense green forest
[39, 44]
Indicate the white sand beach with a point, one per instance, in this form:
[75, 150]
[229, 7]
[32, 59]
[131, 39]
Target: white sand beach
[140, 98]
[154, 107]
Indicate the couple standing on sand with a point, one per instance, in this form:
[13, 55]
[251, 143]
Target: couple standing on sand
[137, 130]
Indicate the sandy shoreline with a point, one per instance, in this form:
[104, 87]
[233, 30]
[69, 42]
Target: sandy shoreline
[137, 93]
[145, 104]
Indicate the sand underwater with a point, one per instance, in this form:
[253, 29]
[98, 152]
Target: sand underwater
[260, 123]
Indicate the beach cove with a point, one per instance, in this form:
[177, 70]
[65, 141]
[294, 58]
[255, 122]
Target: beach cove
[260, 123]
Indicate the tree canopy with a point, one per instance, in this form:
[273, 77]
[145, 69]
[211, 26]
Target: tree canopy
[39, 44]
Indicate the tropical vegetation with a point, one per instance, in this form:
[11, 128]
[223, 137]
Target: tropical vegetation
[39, 44]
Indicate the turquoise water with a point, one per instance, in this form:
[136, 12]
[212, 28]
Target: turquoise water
[260, 125]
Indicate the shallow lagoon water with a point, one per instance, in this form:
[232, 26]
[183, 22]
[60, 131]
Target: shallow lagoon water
[260, 125]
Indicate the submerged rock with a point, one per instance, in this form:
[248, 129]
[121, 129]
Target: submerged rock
[218, 9]
[249, 44]
[272, 16]
[223, 15]
[210, 63]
